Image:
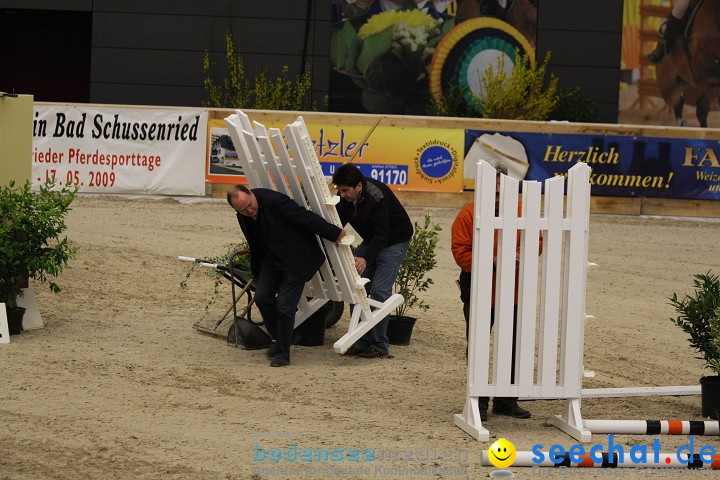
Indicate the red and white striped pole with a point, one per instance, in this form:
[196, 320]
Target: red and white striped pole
[653, 427]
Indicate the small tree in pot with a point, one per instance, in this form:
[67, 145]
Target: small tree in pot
[411, 279]
[31, 246]
[699, 317]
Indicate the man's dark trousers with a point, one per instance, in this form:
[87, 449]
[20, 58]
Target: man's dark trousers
[278, 313]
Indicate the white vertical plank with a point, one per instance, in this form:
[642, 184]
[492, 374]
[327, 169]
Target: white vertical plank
[551, 285]
[287, 170]
[256, 162]
[528, 288]
[505, 269]
[272, 162]
[481, 280]
[4, 328]
[252, 152]
[571, 360]
[235, 130]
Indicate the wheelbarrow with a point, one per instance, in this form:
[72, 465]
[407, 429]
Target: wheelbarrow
[250, 335]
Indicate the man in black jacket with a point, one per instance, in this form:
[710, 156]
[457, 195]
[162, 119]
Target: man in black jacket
[378, 217]
[284, 254]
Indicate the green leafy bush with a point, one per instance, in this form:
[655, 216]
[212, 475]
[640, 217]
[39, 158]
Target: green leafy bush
[572, 106]
[31, 245]
[521, 95]
[266, 93]
[699, 317]
[452, 103]
[419, 260]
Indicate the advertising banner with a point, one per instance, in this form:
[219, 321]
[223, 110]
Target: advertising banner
[120, 150]
[622, 166]
[416, 159]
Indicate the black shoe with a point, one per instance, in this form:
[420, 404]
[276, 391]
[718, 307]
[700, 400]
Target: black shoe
[668, 31]
[280, 362]
[353, 351]
[271, 351]
[511, 409]
[657, 55]
[372, 352]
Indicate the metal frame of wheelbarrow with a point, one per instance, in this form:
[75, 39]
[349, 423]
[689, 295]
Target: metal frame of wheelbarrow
[332, 310]
[236, 277]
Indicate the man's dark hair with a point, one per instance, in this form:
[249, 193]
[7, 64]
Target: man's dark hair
[501, 168]
[233, 192]
[347, 175]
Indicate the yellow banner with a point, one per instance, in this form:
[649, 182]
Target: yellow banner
[412, 159]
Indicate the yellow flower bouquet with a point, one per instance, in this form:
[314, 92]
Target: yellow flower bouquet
[388, 58]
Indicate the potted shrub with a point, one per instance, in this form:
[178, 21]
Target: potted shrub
[31, 245]
[411, 279]
[699, 317]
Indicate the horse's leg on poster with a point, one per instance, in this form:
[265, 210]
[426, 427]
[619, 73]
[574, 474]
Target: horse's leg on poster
[702, 109]
[678, 109]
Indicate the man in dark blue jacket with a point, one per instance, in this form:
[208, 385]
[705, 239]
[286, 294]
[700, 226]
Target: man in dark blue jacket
[284, 254]
[377, 216]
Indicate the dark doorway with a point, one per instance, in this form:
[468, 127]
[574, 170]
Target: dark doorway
[46, 54]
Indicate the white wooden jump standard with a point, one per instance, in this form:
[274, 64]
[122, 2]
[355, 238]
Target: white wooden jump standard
[561, 311]
[267, 163]
[562, 295]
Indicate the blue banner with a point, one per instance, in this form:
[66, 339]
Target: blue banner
[389, 174]
[624, 166]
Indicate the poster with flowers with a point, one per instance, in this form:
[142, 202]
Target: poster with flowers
[393, 56]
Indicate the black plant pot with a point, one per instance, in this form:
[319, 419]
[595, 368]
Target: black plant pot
[399, 329]
[311, 333]
[710, 391]
[15, 320]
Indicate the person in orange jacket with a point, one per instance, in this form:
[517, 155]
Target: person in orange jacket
[462, 235]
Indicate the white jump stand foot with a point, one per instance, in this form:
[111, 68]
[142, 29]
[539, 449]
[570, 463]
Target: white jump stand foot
[470, 421]
[361, 321]
[32, 318]
[571, 421]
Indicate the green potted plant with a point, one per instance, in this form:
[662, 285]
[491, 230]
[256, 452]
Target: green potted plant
[412, 280]
[31, 245]
[699, 317]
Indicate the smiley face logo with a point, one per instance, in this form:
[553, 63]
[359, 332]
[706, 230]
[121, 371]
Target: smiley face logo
[502, 453]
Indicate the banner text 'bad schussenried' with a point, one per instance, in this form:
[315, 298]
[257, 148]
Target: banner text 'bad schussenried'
[115, 129]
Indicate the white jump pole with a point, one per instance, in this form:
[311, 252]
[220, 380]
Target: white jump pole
[654, 427]
[665, 460]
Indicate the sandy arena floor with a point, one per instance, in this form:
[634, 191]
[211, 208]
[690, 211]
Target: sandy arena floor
[119, 385]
